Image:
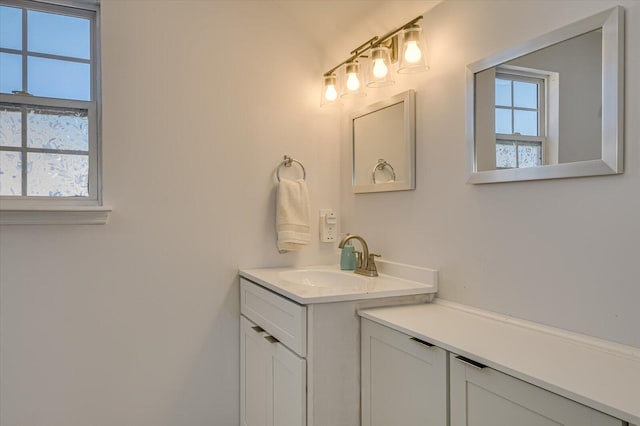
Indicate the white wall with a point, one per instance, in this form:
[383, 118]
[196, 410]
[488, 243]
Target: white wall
[561, 252]
[136, 322]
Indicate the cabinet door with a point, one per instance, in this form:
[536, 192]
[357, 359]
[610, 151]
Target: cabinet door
[289, 379]
[404, 381]
[272, 380]
[481, 396]
[254, 375]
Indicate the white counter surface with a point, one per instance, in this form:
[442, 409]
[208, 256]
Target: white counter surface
[371, 288]
[600, 374]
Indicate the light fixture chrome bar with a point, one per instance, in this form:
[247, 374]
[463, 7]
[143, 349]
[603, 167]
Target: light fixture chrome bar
[371, 43]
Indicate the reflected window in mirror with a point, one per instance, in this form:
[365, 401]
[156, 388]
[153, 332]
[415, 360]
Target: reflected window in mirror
[520, 120]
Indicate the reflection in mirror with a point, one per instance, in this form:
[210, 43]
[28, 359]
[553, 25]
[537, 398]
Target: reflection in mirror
[551, 107]
[383, 145]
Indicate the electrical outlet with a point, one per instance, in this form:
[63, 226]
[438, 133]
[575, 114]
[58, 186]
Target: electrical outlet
[328, 226]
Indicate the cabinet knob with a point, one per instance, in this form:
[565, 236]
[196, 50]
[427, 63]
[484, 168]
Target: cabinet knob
[257, 329]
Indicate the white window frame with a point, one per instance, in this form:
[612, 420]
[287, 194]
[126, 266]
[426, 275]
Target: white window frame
[517, 139]
[41, 209]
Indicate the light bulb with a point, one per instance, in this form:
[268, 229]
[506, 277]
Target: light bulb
[412, 53]
[331, 94]
[353, 83]
[380, 70]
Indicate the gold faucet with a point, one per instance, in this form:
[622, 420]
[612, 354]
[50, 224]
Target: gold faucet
[365, 262]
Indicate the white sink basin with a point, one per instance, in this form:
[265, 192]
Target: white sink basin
[324, 278]
[327, 283]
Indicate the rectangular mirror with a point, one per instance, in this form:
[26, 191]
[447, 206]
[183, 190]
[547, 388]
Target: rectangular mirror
[551, 107]
[383, 141]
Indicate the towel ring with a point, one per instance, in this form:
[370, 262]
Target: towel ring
[380, 165]
[287, 163]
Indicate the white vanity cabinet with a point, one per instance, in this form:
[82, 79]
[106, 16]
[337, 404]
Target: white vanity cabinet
[404, 379]
[300, 363]
[410, 381]
[509, 372]
[482, 396]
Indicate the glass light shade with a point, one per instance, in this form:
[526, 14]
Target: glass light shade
[412, 51]
[379, 73]
[329, 95]
[352, 83]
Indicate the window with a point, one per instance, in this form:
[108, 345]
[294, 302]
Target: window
[49, 109]
[519, 120]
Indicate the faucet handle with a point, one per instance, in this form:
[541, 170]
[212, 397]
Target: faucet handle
[371, 264]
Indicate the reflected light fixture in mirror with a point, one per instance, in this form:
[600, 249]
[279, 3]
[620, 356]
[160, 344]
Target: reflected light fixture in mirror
[379, 74]
[412, 58]
[382, 52]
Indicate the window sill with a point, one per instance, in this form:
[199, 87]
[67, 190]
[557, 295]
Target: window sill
[93, 215]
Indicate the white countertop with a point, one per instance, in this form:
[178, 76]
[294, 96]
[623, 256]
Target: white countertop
[600, 374]
[371, 288]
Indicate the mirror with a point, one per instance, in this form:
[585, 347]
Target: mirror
[383, 145]
[551, 107]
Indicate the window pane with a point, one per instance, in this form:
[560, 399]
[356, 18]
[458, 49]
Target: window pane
[503, 121]
[68, 130]
[10, 126]
[59, 79]
[525, 95]
[525, 122]
[10, 72]
[10, 27]
[503, 92]
[58, 34]
[57, 175]
[10, 173]
[529, 156]
[505, 155]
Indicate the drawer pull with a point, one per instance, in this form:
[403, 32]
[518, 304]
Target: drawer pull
[470, 362]
[271, 339]
[422, 342]
[257, 329]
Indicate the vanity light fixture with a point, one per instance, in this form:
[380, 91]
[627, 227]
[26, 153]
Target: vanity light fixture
[382, 52]
[412, 51]
[353, 81]
[329, 90]
[380, 68]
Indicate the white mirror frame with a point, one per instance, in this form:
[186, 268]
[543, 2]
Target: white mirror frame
[408, 99]
[612, 162]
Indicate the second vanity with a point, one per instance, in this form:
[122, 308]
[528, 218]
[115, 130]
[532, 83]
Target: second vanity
[300, 339]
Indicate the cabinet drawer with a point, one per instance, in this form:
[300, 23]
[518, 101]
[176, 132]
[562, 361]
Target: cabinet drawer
[279, 316]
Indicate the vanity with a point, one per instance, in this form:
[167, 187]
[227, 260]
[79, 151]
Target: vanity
[448, 364]
[300, 339]
[320, 346]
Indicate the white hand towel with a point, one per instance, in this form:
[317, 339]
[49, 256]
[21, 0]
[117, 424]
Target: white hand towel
[292, 215]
